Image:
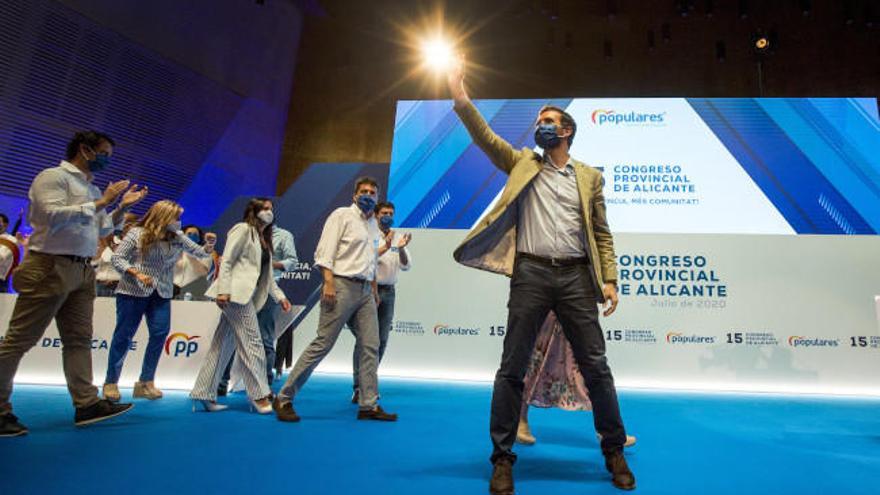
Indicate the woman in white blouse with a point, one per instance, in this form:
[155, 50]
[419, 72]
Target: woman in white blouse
[145, 258]
[241, 289]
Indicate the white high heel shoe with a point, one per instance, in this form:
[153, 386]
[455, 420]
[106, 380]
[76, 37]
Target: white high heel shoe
[264, 408]
[209, 405]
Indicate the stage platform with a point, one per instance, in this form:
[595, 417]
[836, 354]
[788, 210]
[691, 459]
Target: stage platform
[688, 443]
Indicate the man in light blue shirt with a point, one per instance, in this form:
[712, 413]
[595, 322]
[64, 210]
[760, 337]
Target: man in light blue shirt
[284, 260]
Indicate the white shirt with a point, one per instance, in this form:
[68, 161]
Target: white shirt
[104, 271]
[389, 263]
[188, 269]
[6, 256]
[63, 215]
[551, 222]
[349, 245]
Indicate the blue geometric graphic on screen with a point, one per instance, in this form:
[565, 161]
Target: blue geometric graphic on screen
[434, 187]
[803, 195]
[841, 140]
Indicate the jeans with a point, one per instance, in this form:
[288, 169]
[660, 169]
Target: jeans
[535, 289]
[385, 313]
[129, 312]
[354, 302]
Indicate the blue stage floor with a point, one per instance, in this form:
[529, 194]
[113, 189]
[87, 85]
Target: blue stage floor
[688, 444]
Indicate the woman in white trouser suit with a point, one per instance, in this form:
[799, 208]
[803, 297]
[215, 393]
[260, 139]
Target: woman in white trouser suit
[241, 289]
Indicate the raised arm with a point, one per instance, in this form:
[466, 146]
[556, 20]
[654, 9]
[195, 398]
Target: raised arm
[499, 151]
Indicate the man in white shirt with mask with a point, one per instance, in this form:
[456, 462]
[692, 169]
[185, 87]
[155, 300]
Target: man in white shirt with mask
[347, 255]
[56, 280]
[393, 258]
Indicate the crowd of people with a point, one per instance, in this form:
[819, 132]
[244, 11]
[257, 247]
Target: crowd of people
[547, 231]
[82, 247]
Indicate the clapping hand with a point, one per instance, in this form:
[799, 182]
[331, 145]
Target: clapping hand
[132, 196]
[113, 190]
[404, 240]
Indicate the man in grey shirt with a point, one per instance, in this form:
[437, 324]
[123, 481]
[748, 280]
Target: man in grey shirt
[57, 280]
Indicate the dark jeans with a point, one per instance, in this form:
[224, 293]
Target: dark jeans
[284, 350]
[129, 312]
[267, 334]
[385, 312]
[535, 289]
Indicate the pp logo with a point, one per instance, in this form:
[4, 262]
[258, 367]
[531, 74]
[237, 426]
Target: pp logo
[183, 344]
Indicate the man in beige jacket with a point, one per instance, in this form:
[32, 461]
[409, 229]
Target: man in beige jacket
[548, 232]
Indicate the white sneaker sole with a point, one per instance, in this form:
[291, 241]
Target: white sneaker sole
[17, 434]
[92, 421]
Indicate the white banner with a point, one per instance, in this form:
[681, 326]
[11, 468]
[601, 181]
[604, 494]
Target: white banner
[192, 327]
[758, 313]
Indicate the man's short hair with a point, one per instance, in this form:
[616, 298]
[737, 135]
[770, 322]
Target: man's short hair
[566, 118]
[384, 204]
[89, 138]
[365, 180]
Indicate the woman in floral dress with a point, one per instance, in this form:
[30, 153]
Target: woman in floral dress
[553, 379]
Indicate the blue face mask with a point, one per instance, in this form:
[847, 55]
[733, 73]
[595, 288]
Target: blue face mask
[546, 136]
[386, 222]
[193, 237]
[100, 162]
[366, 203]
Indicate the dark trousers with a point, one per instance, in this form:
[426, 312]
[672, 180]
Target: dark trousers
[535, 289]
[284, 350]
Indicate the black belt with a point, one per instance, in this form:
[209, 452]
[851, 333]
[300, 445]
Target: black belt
[583, 260]
[71, 257]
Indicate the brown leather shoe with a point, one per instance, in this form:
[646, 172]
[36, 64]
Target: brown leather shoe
[502, 477]
[284, 412]
[377, 414]
[621, 476]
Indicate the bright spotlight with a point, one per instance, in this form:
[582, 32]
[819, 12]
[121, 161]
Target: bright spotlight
[438, 54]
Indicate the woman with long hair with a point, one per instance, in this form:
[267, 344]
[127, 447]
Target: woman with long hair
[145, 258]
[553, 379]
[244, 283]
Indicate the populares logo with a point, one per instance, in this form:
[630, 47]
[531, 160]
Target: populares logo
[680, 338]
[443, 329]
[183, 344]
[801, 341]
[612, 117]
